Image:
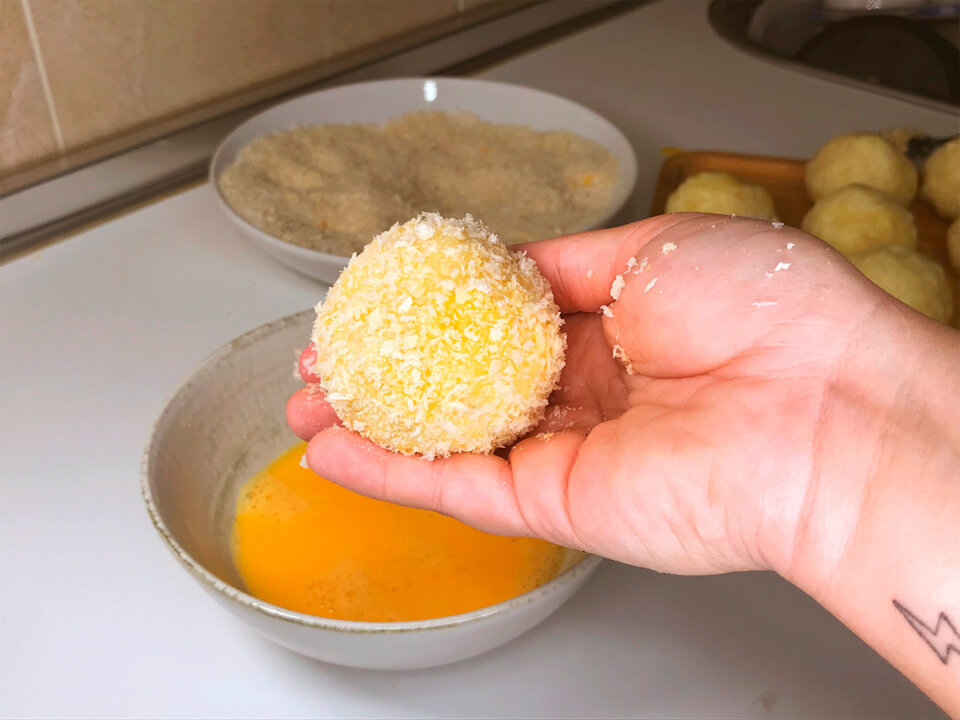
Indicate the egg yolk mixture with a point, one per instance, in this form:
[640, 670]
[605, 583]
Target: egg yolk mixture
[306, 544]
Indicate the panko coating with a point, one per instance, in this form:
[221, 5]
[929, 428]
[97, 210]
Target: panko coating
[953, 243]
[857, 217]
[863, 159]
[941, 179]
[438, 339]
[717, 192]
[910, 277]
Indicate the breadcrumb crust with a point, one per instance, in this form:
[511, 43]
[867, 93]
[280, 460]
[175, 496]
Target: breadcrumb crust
[437, 339]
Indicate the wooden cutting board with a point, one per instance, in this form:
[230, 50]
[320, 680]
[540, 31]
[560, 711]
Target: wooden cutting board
[783, 179]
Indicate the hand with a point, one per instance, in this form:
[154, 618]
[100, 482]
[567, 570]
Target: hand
[767, 408]
[693, 450]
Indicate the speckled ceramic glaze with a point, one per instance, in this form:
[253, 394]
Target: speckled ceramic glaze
[381, 100]
[222, 425]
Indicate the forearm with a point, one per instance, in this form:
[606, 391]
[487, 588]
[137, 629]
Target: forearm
[880, 546]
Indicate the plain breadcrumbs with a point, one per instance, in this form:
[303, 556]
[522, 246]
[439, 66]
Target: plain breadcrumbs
[333, 187]
[437, 339]
[617, 287]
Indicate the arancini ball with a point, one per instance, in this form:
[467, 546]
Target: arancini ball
[723, 194]
[438, 339]
[910, 277]
[862, 159]
[856, 217]
[941, 179]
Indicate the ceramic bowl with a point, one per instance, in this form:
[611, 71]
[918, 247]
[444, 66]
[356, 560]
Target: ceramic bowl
[225, 422]
[381, 100]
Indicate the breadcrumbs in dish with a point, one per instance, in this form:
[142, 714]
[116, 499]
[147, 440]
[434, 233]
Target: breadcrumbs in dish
[333, 187]
[438, 339]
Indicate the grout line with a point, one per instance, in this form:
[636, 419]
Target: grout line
[35, 43]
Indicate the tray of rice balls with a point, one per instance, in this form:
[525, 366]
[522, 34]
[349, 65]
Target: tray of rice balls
[888, 202]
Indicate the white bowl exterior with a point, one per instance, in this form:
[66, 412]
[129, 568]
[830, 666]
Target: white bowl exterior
[381, 100]
[231, 407]
[320, 266]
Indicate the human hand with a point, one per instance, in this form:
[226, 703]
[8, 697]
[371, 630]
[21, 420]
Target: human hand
[685, 435]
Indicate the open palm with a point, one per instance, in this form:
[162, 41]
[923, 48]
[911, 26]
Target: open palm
[684, 433]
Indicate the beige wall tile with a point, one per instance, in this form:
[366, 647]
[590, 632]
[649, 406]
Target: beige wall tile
[26, 131]
[355, 24]
[116, 64]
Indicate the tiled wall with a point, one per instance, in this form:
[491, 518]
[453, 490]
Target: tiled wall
[73, 72]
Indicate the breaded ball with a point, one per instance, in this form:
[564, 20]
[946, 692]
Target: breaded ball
[437, 339]
[862, 159]
[953, 243]
[941, 179]
[910, 277]
[857, 217]
[716, 192]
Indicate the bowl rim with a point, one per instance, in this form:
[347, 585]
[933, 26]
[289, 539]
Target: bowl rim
[629, 163]
[584, 566]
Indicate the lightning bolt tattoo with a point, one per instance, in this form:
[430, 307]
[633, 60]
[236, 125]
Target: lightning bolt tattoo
[942, 639]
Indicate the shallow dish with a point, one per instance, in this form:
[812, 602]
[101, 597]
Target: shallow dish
[381, 100]
[225, 422]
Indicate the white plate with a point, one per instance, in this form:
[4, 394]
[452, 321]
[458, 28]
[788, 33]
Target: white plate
[381, 100]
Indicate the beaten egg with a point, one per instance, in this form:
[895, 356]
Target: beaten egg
[309, 545]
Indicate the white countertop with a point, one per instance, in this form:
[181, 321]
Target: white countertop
[98, 620]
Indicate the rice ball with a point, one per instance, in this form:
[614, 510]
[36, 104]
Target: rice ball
[910, 277]
[717, 192]
[863, 159]
[941, 179]
[953, 243]
[856, 218]
[437, 339]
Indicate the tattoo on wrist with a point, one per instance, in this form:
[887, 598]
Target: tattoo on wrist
[942, 637]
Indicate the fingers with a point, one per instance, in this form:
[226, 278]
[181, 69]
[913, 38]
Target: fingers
[582, 268]
[477, 489]
[308, 363]
[542, 465]
[523, 496]
[691, 293]
[308, 412]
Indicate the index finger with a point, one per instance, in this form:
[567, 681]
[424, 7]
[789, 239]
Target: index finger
[582, 268]
[524, 495]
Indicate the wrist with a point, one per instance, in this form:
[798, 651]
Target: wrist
[877, 544]
[888, 431]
